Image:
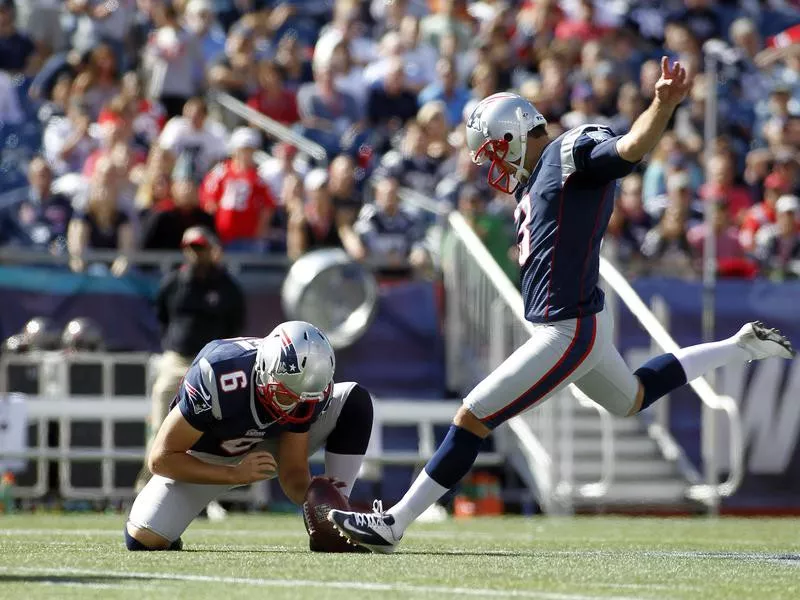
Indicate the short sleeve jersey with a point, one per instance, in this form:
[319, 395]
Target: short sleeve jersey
[562, 214]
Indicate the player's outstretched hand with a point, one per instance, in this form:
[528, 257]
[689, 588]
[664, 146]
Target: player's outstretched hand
[255, 466]
[674, 83]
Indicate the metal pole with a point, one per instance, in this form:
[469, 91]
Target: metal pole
[710, 280]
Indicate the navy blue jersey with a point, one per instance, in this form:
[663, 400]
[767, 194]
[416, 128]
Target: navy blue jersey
[561, 217]
[217, 397]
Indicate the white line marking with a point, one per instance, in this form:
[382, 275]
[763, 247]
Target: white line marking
[95, 586]
[307, 583]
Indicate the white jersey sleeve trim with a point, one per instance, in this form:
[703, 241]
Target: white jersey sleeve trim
[567, 147]
[210, 382]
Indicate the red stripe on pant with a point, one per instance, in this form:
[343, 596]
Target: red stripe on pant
[577, 351]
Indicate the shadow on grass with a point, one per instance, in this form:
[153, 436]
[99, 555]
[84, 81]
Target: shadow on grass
[69, 579]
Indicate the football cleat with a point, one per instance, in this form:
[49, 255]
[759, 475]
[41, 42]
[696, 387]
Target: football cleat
[371, 530]
[761, 341]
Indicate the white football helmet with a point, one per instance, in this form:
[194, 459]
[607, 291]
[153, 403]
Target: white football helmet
[498, 130]
[294, 371]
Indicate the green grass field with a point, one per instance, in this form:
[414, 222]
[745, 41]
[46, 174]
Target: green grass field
[52, 556]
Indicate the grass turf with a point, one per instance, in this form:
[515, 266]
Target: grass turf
[82, 556]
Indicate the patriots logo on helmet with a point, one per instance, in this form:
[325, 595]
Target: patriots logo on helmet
[288, 362]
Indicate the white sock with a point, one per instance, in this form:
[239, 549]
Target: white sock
[422, 493]
[344, 467]
[703, 358]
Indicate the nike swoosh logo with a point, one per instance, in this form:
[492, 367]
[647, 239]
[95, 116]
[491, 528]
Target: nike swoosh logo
[350, 528]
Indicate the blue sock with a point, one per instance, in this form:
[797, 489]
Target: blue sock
[135, 545]
[659, 376]
[454, 457]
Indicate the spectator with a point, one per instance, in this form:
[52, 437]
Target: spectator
[389, 104]
[605, 87]
[346, 27]
[101, 225]
[583, 28]
[492, 229]
[240, 201]
[196, 304]
[10, 109]
[101, 21]
[630, 222]
[327, 113]
[173, 62]
[584, 108]
[170, 218]
[758, 163]
[629, 107]
[272, 98]
[388, 233]
[450, 18]
[666, 246]
[690, 118]
[419, 58]
[412, 165]
[700, 17]
[17, 51]
[57, 103]
[149, 116]
[41, 20]
[201, 21]
[763, 213]
[98, 82]
[448, 90]
[67, 143]
[236, 71]
[778, 247]
[292, 62]
[40, 220]
[348, 76]
[343, 188]
[679, 191]
[283, 162]
[731, 261]
[433, 121]
[483, 82]
[155, 188]
[114, 129]
[194, 133]
[317, 224]
[459, 171]
[720, 186]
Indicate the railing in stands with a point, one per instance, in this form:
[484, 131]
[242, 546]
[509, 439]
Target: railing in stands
[271, 126]
[712, 490]
[91, 423]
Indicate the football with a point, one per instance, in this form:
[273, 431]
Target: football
[321, 497]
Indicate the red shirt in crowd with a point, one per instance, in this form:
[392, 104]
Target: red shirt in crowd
[237, 198]
[736, 198]
[282, 108]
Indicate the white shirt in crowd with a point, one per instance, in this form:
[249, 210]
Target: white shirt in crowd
[206, 145]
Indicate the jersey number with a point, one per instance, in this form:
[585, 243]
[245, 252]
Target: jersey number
[233, 381]
[239, 445]
[236, 195]
[522, 216]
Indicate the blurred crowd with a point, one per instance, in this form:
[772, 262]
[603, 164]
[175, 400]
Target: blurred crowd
[129, 148]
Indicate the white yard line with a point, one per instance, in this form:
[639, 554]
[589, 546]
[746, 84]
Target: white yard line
[310, 583]
[94, 586]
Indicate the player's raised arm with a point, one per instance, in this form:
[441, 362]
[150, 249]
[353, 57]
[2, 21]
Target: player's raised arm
[671, 89]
